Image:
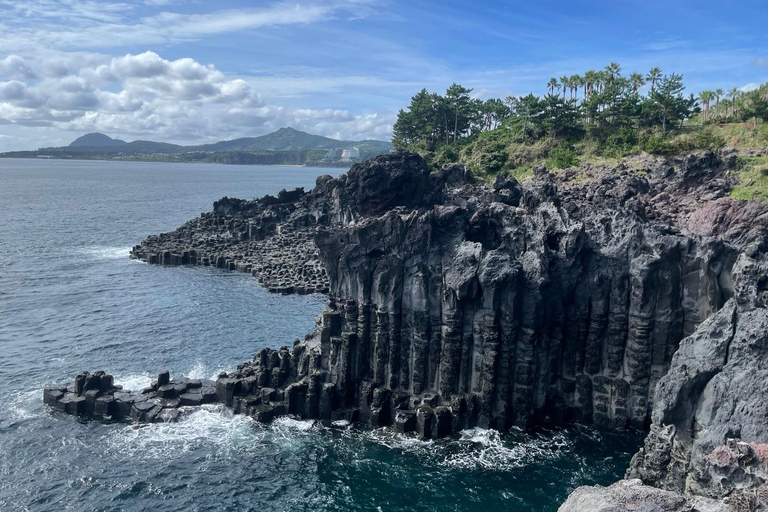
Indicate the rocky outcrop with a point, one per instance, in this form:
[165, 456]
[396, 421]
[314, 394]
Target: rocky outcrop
[633, 297]
[95, 395]
[710, 418]
[633, 495]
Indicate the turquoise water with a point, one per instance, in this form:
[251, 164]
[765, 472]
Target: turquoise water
[71, 300]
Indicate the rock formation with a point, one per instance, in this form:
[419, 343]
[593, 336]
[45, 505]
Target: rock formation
[95, 395]
[455, 304]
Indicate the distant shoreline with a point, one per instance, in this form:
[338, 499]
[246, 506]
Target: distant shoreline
[330, 165]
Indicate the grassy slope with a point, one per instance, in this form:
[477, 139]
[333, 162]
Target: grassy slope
[501, 152]
[753, 179]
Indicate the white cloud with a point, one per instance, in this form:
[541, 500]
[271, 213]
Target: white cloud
[146, 96]
[89, 24]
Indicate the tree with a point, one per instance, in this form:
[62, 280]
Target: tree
[529, 110]
[574, 83]
[460, 108]
[613, 69]
[667, 103]
[590, 77]
[653, 76]
[754, 105]
[637, 81]
[733, 94]
[706, 97]
[560, 117]
[421, 123]
[564, 84]
[552, 85]
[492, 112]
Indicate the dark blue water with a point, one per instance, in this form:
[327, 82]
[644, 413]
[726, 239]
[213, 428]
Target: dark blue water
[71, 300]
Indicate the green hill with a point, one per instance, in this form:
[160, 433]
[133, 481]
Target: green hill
[96, 140]
[284, 139]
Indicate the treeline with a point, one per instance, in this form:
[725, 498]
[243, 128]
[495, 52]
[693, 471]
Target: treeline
[597, 105]
[734, 106]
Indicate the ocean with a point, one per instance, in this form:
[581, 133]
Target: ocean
[72, 300]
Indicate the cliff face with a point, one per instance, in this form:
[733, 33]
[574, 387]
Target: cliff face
[709, 431]
[628, 296]
[503, 302]
[455, 304]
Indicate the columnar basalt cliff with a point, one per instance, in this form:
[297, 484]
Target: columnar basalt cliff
[455, 304]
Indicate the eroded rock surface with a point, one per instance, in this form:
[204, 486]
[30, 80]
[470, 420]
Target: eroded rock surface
[709, 432]
[627, 495]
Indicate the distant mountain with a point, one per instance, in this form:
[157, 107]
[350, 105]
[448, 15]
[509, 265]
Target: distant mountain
[284, 139]
[286, 146]
[96, 140]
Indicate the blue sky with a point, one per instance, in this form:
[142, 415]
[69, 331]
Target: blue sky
[198, 71]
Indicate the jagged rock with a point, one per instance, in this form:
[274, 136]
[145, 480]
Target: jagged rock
[709, 428]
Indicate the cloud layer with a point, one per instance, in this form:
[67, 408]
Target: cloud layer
[55, 82]
[145, 95]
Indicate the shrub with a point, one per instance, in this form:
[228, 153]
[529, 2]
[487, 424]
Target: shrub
[620, 142]
[562, 156]
[655, 144]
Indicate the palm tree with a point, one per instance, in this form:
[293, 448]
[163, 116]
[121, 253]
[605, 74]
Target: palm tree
[591, 78]
[564, 84]
[574, 82]
[552, 85]
[718, 93]
[602, 79]
[637, 81]
[733, 94]
[706, 97]
[653, 75]
[613, 69]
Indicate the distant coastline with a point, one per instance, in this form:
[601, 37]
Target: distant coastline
[84, 158]
[285, 147]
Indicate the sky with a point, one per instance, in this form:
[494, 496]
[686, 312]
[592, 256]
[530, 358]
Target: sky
[199, 71]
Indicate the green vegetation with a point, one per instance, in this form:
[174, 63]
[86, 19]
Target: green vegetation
[597, 115]
[753, 179]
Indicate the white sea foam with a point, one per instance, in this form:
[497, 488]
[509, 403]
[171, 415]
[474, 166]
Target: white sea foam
[387, 437]
[135, 381]
[202, 371]
[105, 252]
[209, 425]
[286, 422]
[25, 404]
[484, 448]
[476, 448]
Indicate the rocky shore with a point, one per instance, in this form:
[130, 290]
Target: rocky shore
[632, 296]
